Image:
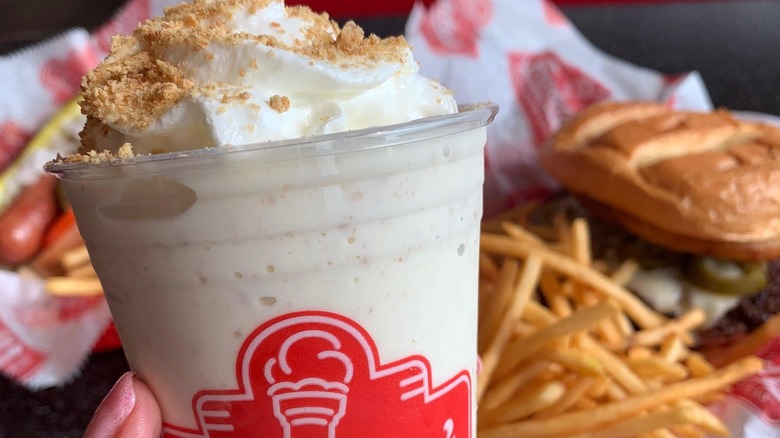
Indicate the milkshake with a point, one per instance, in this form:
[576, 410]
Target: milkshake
[285, 218]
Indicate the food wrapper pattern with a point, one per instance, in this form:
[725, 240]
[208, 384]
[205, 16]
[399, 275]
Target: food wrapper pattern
[44, 340]
[531, 61]
[527, 57]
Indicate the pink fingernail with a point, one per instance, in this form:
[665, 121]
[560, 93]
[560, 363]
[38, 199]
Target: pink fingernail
[113, 410]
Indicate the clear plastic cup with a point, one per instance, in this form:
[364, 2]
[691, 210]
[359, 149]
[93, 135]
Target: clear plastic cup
[324, 286]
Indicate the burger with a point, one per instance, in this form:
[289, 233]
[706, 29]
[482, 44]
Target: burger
[693, 197]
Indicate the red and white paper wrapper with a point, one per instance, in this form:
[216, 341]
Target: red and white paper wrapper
[44, 340]
[527, 57]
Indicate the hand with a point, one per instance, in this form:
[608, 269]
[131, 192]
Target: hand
[128, 411]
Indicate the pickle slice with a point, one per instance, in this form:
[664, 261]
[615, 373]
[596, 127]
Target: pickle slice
[724, 276]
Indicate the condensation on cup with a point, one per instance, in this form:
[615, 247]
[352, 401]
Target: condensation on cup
[320, 287]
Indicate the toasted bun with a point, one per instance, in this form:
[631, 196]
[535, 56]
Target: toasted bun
[695, 182]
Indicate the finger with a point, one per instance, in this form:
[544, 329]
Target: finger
[145, 421]
[129, 410]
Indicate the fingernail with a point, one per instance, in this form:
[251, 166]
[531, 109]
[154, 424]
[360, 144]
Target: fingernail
[113, 410]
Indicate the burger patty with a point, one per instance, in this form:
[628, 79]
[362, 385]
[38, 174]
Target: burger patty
[612, 242]
[748, 315]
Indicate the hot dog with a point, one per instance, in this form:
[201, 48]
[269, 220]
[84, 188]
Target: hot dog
[24, 223]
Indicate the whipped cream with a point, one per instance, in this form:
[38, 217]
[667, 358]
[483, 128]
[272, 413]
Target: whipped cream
[231, 72]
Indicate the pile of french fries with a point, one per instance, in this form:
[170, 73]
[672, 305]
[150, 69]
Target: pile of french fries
[568, 351]
[78, 278]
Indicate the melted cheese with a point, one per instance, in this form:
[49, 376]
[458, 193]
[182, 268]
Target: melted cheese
[666, 291]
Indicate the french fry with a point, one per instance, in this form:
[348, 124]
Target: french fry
[500, 300]
[522, 329]
[689, 320]
[529, 277]
[580, 241]
[625, 272]
[698, 366]
[658, 433]
[522, 234]
[615, 392]
[586, 403]
[607, 413]
[569, 398]
[687, 431]
[599, 388]
[673, 349]
[656, 367]
[71, 286]
[539, 315]
[639, 351]
[622, 276]
[503, 390]
[582, 319]
[633, 306]
[607, 329]
[630, 427]
[614, 366]
[48, 261]
[574, 360]
[550, 288]
[75, 258]
[532, 399]
[624, 325]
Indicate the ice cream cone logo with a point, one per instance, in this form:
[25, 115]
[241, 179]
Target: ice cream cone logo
[62, 77]
[318, 375]
[454, 26]
[311, 401]
[550, 91]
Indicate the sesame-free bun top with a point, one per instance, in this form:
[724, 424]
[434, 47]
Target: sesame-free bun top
[704, 183]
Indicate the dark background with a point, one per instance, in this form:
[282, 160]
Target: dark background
[734, 44]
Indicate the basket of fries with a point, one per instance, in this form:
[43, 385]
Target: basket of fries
[567, 350]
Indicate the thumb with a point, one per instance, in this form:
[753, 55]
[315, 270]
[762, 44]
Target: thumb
[128, 411]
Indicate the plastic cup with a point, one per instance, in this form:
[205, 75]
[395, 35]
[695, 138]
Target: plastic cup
[325, 286]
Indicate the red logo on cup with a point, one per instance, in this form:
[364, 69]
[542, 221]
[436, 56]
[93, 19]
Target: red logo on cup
[63, 76]
[17, 359]
[454, 26]
[12, 141]
[124, 23]
[318, 374]
[550, 91]
[762, 390]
